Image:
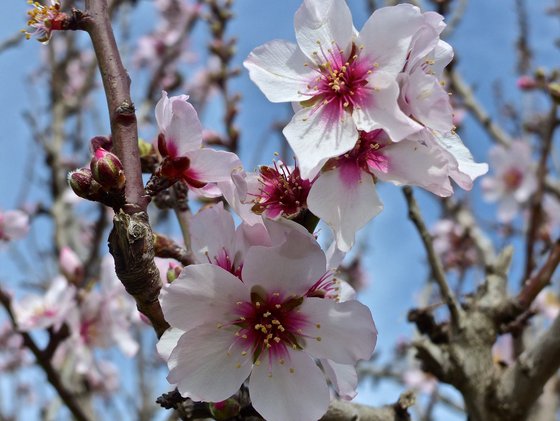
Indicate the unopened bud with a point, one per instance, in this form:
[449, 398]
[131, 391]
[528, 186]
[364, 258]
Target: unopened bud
[146, 149]
[82, 183]
[71, 265]
[526, 83]
[173, 272]
[101, 142]
[107, 170]
[540, 74]
[225, 410]
[554, 90]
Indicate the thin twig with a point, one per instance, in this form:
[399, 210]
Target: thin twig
[471, 103]
[433, 258]
[44, 361]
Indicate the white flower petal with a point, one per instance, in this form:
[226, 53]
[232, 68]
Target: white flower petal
[291, 267]
[212, 232]
[384, 112]
[342, 332]
[168, 342]
[277, 68]
[207, 365]
[387, 34]
[295, 390]
[211, 166]
[412, 163]
[184, 129]
[322, 25]
[200, 294]
[315, 138]
[346, 206]
[343, 377]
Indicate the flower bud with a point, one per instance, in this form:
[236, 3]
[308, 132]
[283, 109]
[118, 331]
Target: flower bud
[526, 83]
[83, 184]
[173, 272]
[101, 142]
[71, 265]
[224, 410]
[107, 170]
[554, 90]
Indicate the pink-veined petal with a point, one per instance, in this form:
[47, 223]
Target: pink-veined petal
[410, 162]
[342, 332]
[384, 112]
[211, 166]
[184, 131]
[295, 390]
[200, 294]
[387, 34]
[344, 206]
[291, 267]
[277, 68]
[212, 232]
[315, 138]
[208, 365]
[323, 25]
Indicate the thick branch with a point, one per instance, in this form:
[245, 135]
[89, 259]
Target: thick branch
[116, 83]
[131, 243]
[523, 382]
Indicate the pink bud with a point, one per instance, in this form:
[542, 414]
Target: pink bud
[526, 83]
[71, 265]
[107, 170]
[173, 272]
[225, 410]
[83, 184]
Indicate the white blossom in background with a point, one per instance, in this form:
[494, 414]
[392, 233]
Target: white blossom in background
[513, 181]
[270, 327]
[14, 224]
[50, 309]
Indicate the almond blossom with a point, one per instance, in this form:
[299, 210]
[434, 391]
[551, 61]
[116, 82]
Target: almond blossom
[14, 224]
[180, 144]
[345, 197]
[338, 80]
[514, 179]
[48, 310]
[271, 327]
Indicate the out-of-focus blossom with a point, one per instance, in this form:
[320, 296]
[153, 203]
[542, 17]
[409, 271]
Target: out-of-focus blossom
[103, 319]
[13, 355]
[339, 81]
[48, 310]
[548, 304]
[526, 83]
[180, 144]
[502, 351]
[103, 378]
[513, 181]
[420, 380]
[454, 245]
[271, 327]
[14, 224]
[71, 265]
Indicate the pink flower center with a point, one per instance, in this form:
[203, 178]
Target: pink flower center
[269, 323]
[366, 155]
[512, 178]
[223, 260]
[281, 192]
[341, 83]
